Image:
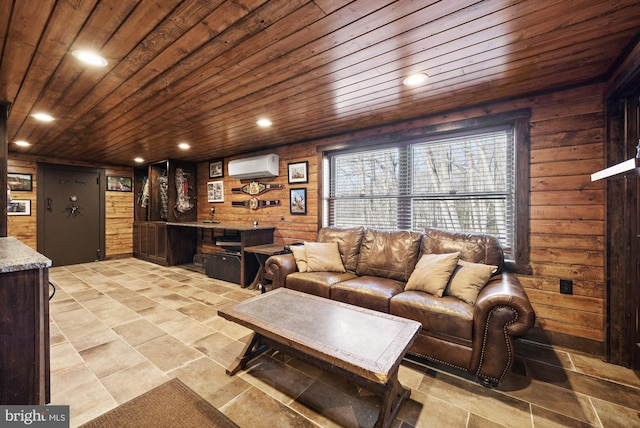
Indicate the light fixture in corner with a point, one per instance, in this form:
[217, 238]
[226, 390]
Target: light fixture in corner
[415, 79]
[264, 123]
[43, 117]
[90, 58]
[22, 143]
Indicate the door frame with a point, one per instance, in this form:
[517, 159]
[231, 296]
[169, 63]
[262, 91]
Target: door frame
[40, 174]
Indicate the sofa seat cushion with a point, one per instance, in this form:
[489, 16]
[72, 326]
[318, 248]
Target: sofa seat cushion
[318, 283]
[367, 292]
[446, 315]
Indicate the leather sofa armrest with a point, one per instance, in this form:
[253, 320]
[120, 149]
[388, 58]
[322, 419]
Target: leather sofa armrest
[278, 267]
[502, 310]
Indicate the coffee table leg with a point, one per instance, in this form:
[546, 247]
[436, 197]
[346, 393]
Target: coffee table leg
[252, 349]
[392, 399]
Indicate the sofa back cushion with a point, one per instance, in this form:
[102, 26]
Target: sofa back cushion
[473, 247]
[348, 239]
[389, 254]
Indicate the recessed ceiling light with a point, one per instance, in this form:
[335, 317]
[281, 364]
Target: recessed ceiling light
[90, 58]
[264, 123]
[43, 117]
[22, 143]
[415, 79]
[184, 146]
[139, 160]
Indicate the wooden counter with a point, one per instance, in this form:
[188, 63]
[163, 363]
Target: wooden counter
[247, 236]
[24, 324]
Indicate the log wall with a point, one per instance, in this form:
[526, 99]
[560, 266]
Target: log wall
[567, 228]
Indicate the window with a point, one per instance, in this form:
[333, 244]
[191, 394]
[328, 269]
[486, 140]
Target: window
[464, 180]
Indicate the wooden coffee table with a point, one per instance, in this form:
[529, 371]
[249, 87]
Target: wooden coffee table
[362, 345]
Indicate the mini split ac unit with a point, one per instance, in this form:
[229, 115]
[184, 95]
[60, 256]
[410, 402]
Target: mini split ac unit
[255, 167]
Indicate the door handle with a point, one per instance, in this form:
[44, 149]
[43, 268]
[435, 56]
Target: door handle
[49, 200]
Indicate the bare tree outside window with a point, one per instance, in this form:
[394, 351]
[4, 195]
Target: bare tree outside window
[462, 183]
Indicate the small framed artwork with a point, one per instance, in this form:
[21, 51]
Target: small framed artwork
[119, 184]
[216, 168]
[215, 191]
[20, 182]
[298, 199]
[299, 172]
[19, 207]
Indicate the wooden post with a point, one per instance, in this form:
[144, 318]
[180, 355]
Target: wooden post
[4, 155]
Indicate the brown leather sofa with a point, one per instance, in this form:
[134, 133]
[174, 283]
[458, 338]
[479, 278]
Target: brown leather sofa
[475, 338]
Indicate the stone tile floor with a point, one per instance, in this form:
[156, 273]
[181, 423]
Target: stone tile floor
[122, 327]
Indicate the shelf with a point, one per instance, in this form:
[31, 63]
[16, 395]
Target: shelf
[620, 170]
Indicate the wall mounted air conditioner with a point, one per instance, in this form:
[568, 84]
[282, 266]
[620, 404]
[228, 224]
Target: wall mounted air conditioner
[262, 166]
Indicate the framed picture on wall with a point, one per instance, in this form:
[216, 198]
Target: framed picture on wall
[119, 184]
[20, 182]
[298, 198]
[216, 168]
[19, 207]
[215, 191]
[299, 172]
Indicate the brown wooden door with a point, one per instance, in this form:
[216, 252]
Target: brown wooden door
[623, 237]
[70, 214]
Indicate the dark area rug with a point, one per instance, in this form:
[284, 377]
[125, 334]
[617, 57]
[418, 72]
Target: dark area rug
[172, 404]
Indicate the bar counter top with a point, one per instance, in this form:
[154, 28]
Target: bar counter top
[16, 256]
[220, 226]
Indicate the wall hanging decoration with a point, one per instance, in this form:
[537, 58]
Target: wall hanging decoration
[182, 187]
[163, 181]
[19, 207]
[254, 203]
[20, 182]
[298, 199]
[256, 188]
[144, 194]
[119, 184]
[299, 172]
[215, 191]
[216, 168]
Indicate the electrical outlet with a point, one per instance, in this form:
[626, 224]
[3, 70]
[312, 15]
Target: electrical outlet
[566, 286]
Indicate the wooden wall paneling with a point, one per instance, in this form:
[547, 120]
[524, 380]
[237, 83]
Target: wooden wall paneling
[182, 73]
[54, 42]
[20, 44]
[579, 33]
[566, 210]
[24, 227]
[119, 208]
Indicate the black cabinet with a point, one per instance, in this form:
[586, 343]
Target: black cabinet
[224, 265]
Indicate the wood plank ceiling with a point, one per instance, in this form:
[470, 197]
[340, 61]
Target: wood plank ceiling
[203, 71]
